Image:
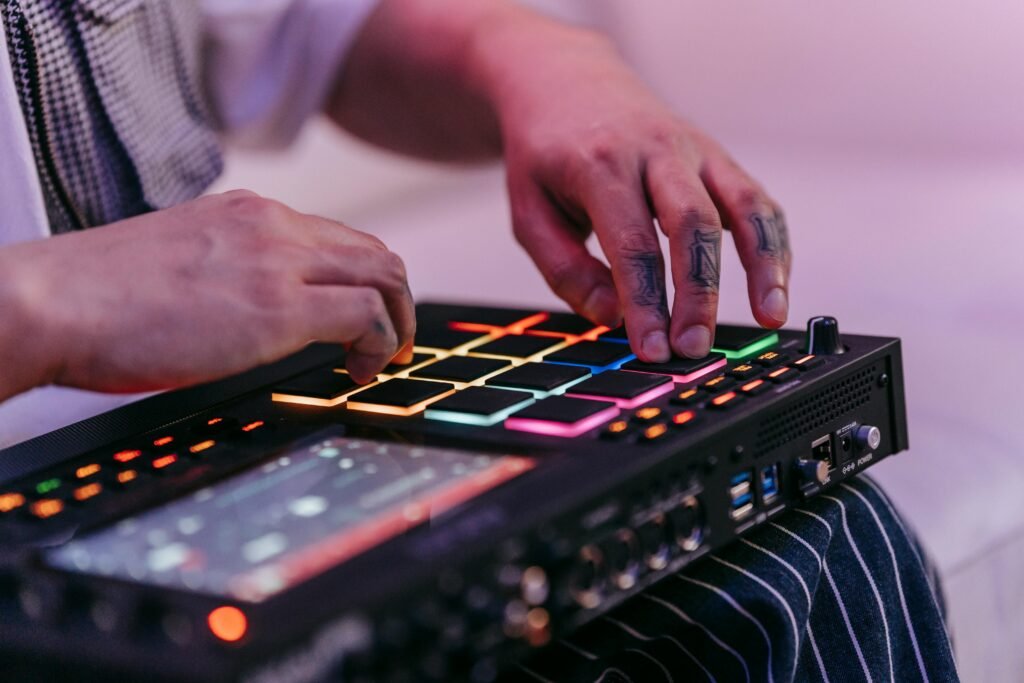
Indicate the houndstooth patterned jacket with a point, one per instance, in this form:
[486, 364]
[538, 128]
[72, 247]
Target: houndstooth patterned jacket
[112, 97]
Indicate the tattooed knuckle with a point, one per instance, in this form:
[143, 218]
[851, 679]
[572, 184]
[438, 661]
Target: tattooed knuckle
[694, 218]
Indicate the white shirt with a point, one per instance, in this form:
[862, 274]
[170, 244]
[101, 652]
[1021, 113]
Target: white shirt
[268, 66]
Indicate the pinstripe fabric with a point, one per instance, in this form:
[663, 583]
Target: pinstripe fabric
[110, 90]
[836, 591]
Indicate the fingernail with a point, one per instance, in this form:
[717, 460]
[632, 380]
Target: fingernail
[775, 305]
[695, 342]
[655, 347]
[602, 306]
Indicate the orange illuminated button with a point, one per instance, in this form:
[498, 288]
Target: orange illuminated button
[163, 441]
[228, 623]
[126, 477]
[11, 501]
[684, 418]
[745, 371]
[655, 431]
[86, 471]
[202, 446]
[87, 492]
[648, 414]
[783, 374]
[686, 397]
[807, 362]
[755, 387]
[45, 508]
[724, 401]
[771, 358]
[163, 462]
[718, 383]
[616, 429]
[127, 456]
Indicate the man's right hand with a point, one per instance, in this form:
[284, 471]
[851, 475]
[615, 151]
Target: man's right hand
[196, 292]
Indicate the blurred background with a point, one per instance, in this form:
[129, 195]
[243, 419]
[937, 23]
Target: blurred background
[892, 135]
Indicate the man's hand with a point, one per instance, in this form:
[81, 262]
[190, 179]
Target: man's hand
[588, 149]
[206, 289]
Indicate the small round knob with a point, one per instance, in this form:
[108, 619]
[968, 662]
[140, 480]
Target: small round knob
[812, 471]
[823, 336]
[868, 436]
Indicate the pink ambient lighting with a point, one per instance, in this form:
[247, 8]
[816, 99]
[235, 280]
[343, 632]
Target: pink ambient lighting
[547, 428]
[628, 403]
[683, 379]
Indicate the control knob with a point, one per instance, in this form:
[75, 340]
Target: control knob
[823, 336]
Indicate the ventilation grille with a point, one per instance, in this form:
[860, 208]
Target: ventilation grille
[816, 410]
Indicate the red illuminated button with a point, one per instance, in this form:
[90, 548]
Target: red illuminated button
[228, 623]
[253, 426]
[127, 456]
[758, 386]
[163, 441]
[724, 401]
[684, 418]
[807, 362]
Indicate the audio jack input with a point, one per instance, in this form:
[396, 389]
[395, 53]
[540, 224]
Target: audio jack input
[622, 553]
[688, 523]
[587, 581]
[655, 535]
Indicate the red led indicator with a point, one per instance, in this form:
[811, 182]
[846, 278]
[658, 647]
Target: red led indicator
[228, 623]
[163, 441]
[684, 417]
[126, 456]
[253, 426]
[215, 421]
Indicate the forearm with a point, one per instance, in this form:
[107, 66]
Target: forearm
[24, 350]
[429, 77]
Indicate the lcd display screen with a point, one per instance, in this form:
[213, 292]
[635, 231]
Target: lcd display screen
[260, 532]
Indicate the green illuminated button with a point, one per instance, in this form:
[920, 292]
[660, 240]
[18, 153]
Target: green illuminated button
[737, 341]
[48, 486]
[482, 406]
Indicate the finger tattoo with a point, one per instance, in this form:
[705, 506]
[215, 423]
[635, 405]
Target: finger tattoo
[772, 235]
[649, 290]
[705, 258]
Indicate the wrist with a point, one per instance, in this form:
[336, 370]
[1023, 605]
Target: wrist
[514, 54]
[23, 343]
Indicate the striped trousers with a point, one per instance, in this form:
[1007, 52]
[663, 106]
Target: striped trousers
[837, 590]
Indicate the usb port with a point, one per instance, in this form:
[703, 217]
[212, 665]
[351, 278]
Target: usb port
[821, 449]
[741, 495]
[769, 484]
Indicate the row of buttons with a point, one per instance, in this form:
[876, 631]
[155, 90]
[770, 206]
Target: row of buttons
[126, 468]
